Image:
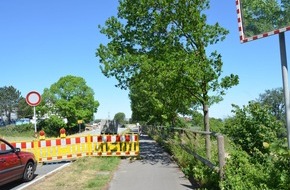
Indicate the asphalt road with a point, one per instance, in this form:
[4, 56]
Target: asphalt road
[155, 170]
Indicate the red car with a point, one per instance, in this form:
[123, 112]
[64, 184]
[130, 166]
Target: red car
[15, 164]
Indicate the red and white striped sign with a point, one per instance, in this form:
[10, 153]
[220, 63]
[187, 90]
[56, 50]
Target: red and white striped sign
[244, 38]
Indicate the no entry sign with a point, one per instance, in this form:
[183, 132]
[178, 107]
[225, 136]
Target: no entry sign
[33, 98]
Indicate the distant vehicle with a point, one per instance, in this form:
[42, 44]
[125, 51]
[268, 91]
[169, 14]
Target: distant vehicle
[15, 164]
[2, 123]
[22, 121]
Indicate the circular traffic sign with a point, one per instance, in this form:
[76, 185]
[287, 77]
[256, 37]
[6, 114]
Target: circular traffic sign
[33, 98]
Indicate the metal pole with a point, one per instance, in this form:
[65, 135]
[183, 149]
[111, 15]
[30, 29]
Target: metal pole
[285, 82]
[34, 119]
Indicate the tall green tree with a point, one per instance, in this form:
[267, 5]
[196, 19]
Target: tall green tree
[9, 98]
[274, 99]
[69, 98]
[156, 98]
[120, 117]
[162, 46]
[23, 109]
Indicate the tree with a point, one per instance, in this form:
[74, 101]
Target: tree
[23, 109]
[156, 95]
[9, 98]
[160, 47]
[69, 98]
[52, 126]
[120, 118]
[274, 99]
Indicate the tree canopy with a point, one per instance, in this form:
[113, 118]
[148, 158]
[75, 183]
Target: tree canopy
[274, 100]
[120, 117]
[157, 49]
[9, 98]
[23, 109]
[69, 98]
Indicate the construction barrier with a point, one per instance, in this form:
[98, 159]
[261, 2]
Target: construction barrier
[67, 148]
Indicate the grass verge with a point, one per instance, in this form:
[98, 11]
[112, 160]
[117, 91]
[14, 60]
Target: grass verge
[14, 133]
[84, 174]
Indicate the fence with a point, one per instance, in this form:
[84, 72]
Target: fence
[67, 148]
[163, 131]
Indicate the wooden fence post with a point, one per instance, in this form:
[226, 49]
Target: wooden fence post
[221, 155]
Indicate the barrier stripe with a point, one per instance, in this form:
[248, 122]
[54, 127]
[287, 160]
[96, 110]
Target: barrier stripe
[243, 38]
[74, 147]
[22, 145]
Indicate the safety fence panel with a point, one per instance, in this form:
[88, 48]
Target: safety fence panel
[62, 149]
[115, 145]
[27, 146]
[59, 149]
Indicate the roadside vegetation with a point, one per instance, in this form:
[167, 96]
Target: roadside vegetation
[85, 173]
[255, 144]
[14, 133]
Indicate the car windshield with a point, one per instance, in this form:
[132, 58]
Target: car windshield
[4, 148]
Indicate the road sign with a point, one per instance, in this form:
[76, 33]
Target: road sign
[260, 21]
[33, 98]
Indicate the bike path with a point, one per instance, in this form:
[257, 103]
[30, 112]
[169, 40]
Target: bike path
[155, 170]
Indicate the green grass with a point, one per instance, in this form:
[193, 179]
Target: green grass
[90, 173]
[17, 133]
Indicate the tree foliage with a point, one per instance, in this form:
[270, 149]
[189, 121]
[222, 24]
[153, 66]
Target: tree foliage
[257, 153]
[120, 117]
[69, 98]
[23, 109]
[274, 100]
[52, 126]
[9, 98]
[157, 49]
[252, 127]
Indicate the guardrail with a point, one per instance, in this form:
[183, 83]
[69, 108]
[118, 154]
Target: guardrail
[67, 148]
[220, 145]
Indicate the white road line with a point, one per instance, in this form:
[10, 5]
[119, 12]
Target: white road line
[37, 179]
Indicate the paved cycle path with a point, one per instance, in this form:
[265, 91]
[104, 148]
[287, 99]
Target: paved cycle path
[155, 170]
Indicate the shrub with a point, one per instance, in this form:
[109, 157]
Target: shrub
[240, 173]
[52, 126]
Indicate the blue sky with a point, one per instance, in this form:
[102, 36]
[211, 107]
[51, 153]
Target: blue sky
[41, 41]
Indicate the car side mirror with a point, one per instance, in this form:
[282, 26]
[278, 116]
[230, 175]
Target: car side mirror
[17, 150]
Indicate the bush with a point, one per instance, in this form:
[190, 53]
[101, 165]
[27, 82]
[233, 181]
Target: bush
[52, 126]
[24, 130]
[240, 173]
[252, 126]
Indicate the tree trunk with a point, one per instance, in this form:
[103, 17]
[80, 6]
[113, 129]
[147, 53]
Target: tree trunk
[207, 129]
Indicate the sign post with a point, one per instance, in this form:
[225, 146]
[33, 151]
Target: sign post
[33, 98]
[256, 22]
[80, 123]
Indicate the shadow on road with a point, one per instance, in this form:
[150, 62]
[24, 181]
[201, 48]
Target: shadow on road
[15, 184]
[151, 152]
